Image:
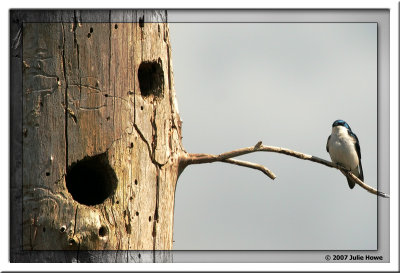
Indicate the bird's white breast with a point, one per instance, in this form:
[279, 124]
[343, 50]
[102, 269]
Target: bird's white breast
[342, 149]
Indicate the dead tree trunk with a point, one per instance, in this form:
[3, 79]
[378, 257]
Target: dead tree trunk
[101, 136]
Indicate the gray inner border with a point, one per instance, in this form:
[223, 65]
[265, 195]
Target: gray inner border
[381, 17]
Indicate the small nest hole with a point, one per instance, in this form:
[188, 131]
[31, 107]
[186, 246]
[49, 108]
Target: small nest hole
[103, 231]
[151, 79]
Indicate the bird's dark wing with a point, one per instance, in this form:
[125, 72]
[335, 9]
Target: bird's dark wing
[327, 148]
[356, 143]
[361, 176]
[358, 149]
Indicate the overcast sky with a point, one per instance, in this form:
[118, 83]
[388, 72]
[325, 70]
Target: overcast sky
[284, 84]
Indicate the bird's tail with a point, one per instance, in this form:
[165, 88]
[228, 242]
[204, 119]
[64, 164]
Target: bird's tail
[360, 176]
[351, 182]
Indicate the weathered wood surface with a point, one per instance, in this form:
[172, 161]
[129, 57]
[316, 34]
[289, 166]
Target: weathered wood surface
[98, 93]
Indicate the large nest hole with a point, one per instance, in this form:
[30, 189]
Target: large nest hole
[151, 78]
[91, 180]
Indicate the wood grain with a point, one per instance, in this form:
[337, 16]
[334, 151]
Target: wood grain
[81, 98]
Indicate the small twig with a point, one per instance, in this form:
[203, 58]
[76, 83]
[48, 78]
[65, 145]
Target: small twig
[259, 167]
[189, 159]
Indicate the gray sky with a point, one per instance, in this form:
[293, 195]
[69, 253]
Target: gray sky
[284, 84]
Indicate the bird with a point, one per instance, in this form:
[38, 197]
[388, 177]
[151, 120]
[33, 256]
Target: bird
[344, 149]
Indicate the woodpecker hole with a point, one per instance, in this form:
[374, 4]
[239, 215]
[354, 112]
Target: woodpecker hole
[137, 213]
[91, 180]
[88, 35]
[103, 231]
[91, 30]
[151, 79]
[135, 181]
[47, 174]
[115, 26]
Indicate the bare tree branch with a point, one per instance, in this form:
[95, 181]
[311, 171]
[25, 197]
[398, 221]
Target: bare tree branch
[207, 158]
[189, 159]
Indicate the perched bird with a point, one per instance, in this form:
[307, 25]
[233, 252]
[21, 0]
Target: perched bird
[344, 149]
